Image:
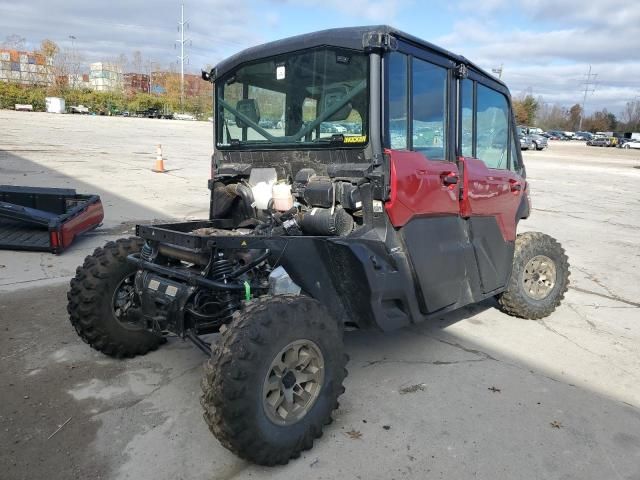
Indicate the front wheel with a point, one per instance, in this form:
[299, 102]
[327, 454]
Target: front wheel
[274, 378]
[539, 277]
[102, 299]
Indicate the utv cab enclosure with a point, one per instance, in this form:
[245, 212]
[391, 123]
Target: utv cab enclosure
[360, 177]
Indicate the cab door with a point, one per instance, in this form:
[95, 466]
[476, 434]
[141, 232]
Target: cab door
[493, 184]
[424, 205]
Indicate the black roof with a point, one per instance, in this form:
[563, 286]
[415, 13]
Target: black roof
[351, 37]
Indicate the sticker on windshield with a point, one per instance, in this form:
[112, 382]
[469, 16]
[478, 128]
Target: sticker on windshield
[280, 72]
[356, 139]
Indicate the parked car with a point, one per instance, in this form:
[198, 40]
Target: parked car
[526, 143]
[184, 116]
[584, 136]
[266, 123]
[631, 144]
[79, 109]
[599, 142]
[540, 142]
[329, 127]
[556, 135]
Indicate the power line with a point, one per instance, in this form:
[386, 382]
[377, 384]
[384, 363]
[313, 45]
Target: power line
[589, 87]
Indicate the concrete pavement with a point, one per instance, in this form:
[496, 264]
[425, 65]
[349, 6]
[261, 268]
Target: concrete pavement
[475, 394]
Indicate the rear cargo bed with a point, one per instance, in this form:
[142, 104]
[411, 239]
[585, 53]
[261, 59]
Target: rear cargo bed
[45, 219]
[20, 236]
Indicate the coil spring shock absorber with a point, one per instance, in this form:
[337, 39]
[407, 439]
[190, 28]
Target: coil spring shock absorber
[146, 252]
[214, 308]
[220, 269]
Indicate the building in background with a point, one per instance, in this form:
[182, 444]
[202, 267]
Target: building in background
[105, 77]
[26, 68]
[136, 83]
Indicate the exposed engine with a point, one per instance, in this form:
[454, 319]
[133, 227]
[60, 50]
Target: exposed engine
[183, 288]
[310, 205]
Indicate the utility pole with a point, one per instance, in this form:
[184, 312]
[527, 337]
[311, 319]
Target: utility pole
[589, 87]
[74, 75]
[181, 24]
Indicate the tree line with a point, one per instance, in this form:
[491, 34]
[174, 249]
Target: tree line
[535, 112]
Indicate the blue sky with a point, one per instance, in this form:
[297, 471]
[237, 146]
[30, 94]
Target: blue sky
[546, 46]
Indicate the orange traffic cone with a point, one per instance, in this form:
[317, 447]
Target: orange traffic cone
[159, 166]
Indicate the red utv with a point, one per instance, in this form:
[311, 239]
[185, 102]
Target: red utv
[385, 190]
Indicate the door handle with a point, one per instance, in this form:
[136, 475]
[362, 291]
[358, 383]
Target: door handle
[449, 179]
[515, 185]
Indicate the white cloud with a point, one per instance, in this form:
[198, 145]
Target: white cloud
[550, 52]
[104, 30]
[552, 56]
[370, 11]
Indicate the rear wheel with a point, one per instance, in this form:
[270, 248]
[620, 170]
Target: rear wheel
[101, 299]
[274, 378]
[539, 277]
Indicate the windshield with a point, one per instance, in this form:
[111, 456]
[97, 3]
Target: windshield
[312, 98]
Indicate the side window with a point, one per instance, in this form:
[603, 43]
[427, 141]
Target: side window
[429, 109]
[493, 127]
[466, 118]
[398, 101]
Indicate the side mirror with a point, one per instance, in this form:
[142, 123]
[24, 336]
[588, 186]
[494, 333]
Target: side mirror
[208, 76]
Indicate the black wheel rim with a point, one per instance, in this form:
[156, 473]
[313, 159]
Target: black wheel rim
[124, 297]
